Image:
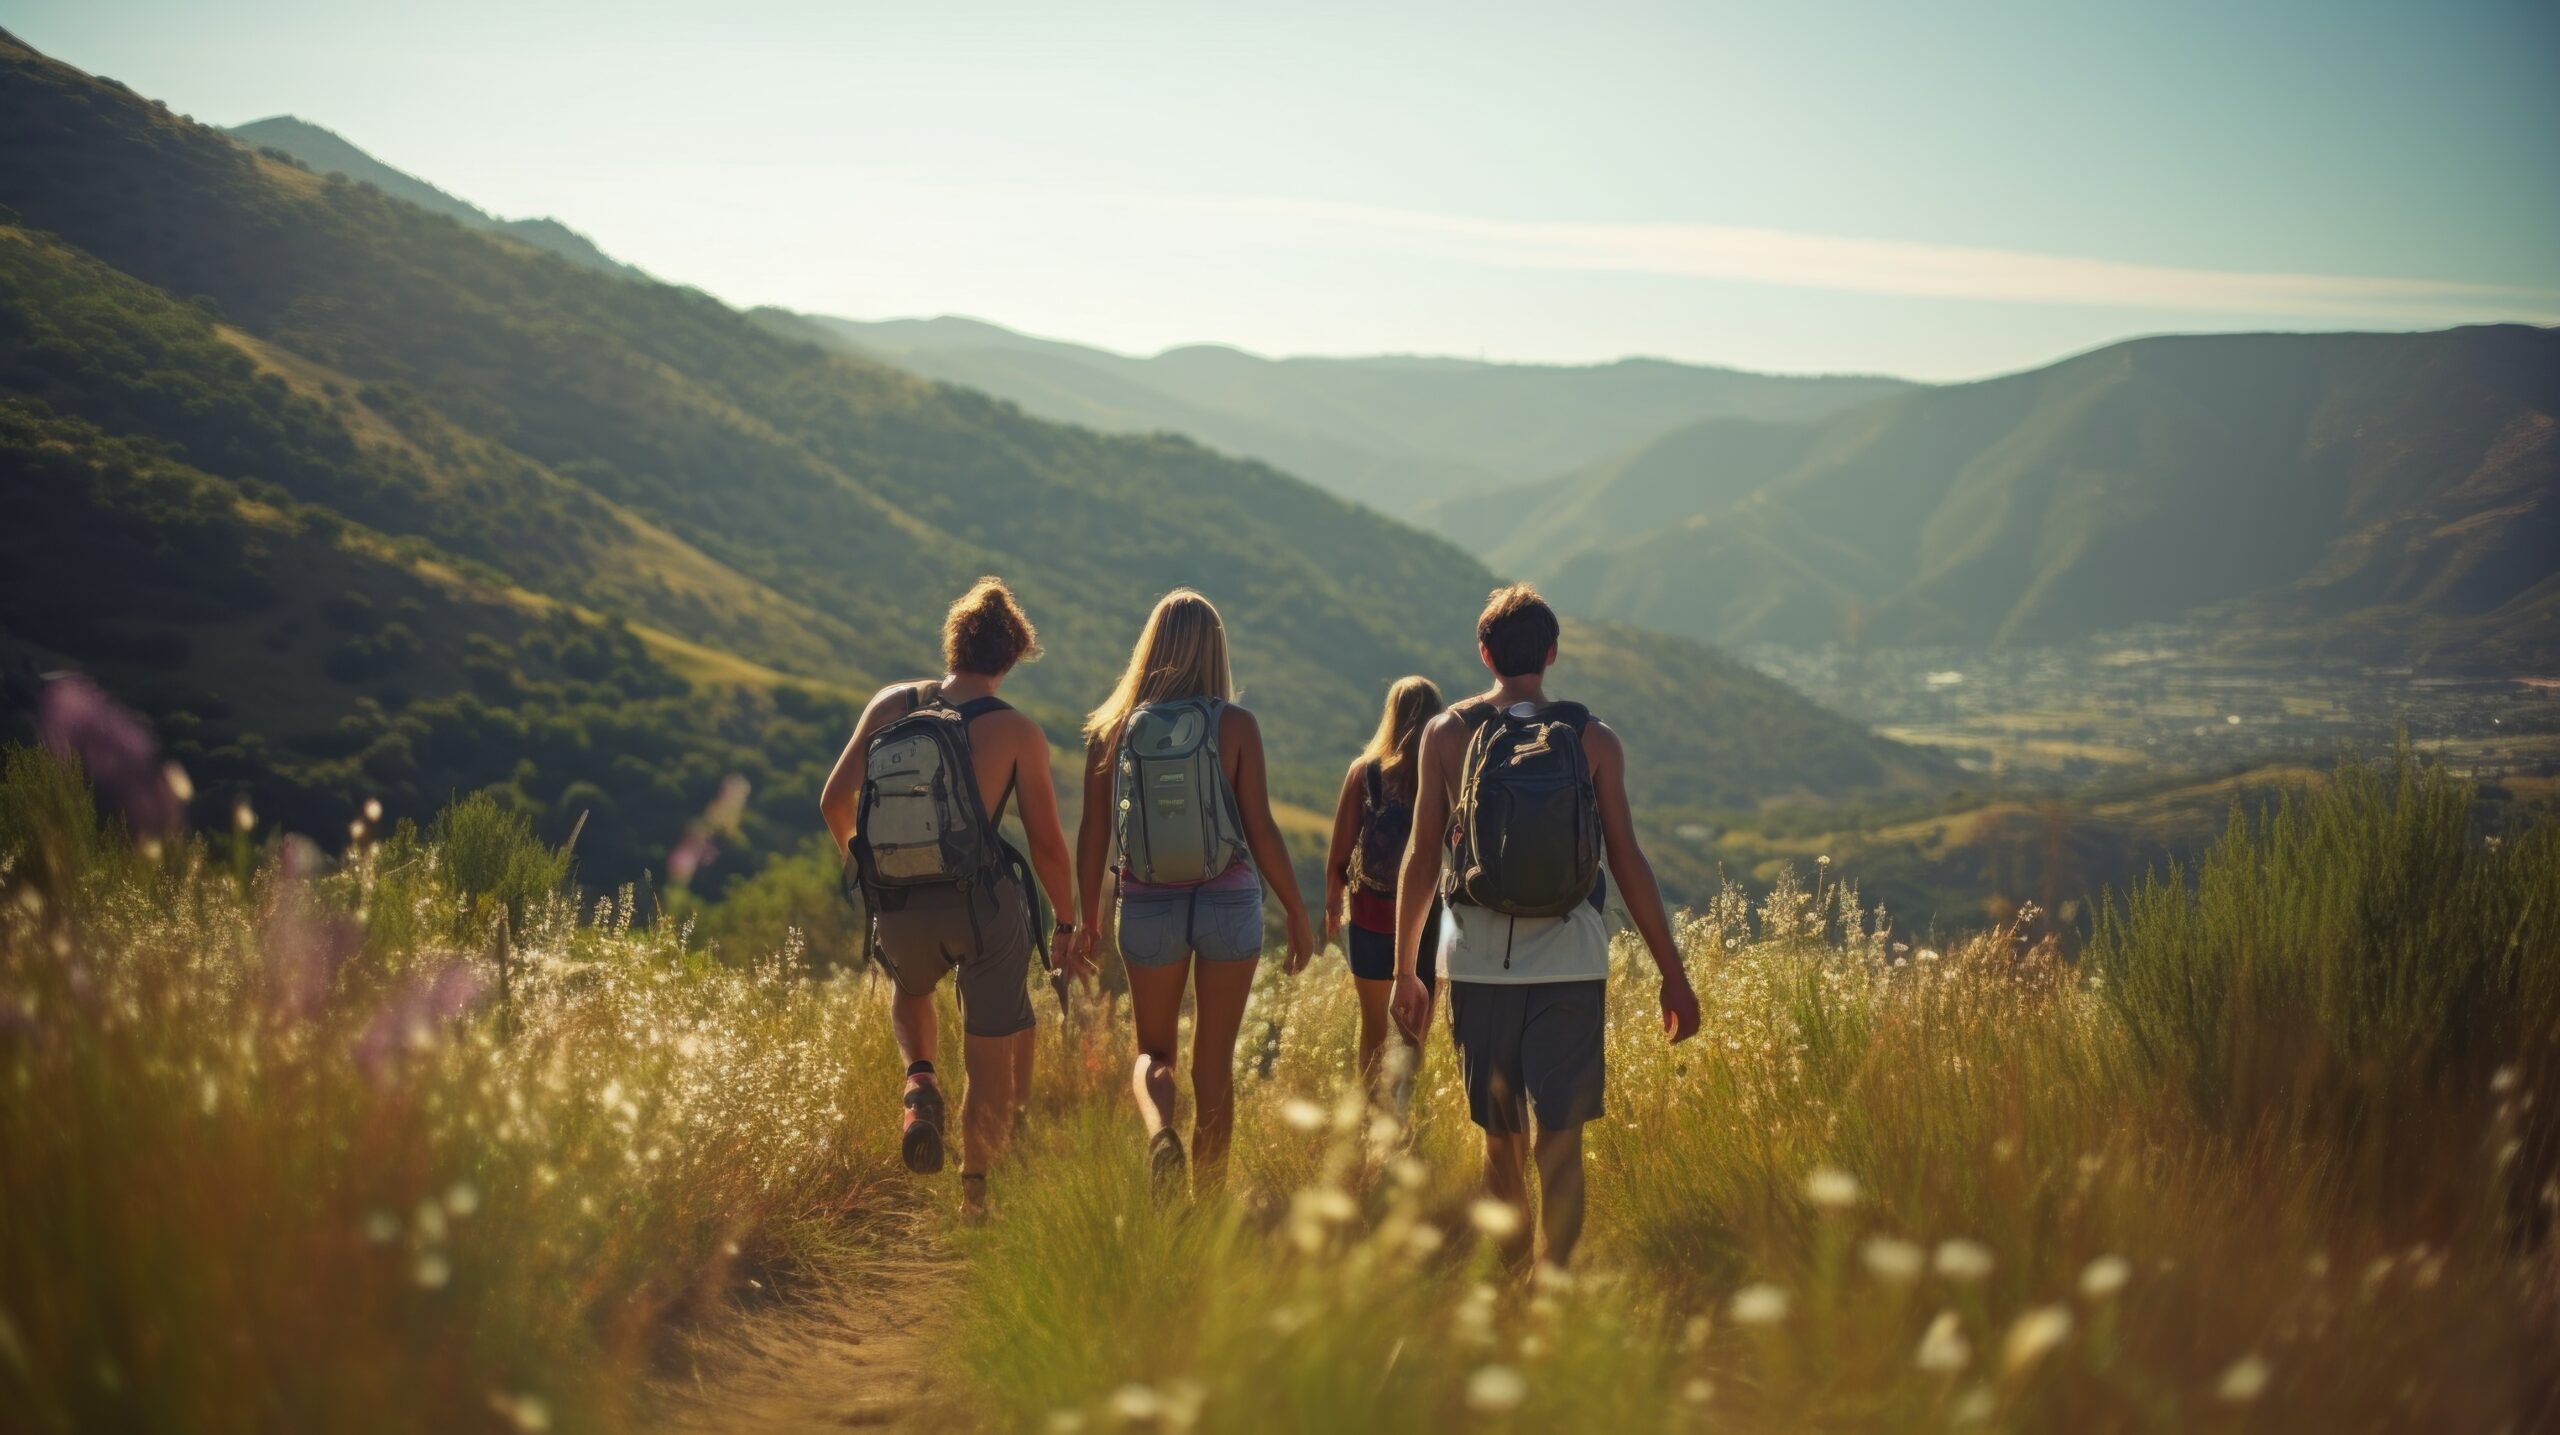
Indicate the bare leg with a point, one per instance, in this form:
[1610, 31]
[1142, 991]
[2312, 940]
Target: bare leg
[1026, 1042]
[1217, 1014]
[911, 1019]
[1374, 1024]
[986, 1119]
[1560, 1192]
[1155, 999]
[1506, 1179]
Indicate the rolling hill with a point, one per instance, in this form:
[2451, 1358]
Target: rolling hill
[2394, 494]
[357, 499]
[324, 152]
[1394, 432]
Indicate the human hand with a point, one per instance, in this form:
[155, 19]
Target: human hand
[1069, 954]
[1332, 921]
[1302, 944]
[1411, 1004]
[1679, 1006]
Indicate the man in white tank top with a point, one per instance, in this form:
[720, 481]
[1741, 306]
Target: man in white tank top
[1528, 995]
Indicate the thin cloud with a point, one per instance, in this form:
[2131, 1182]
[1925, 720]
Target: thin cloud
[1881, 266]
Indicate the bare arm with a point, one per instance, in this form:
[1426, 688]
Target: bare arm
[842, 794]
[1337, 854]
[1443, 743]
[1634, 875]
[1093, 830]
[1243, 737]
[1038, 791]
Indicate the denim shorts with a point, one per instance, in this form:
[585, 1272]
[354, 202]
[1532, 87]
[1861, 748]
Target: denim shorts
[1158, 929]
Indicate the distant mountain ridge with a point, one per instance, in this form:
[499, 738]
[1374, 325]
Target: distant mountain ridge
[326, 152]
[2392, 494]
[355, 501]
[1393, 431]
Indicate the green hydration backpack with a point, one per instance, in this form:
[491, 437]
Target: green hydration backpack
[1524, 833]
[1177, 815]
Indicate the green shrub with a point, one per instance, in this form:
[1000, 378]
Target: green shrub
[494, 861]
[2355, 965]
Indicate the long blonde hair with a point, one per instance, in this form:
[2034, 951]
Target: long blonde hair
[1411, 705]
[1181, 653]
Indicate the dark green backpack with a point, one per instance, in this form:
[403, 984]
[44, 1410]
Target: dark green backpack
[1524, 834]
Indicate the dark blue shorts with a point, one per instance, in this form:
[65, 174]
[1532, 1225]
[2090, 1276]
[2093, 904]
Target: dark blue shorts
[1373, 954]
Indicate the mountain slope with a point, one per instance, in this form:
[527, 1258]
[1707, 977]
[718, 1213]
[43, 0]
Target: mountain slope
[325, 152]
[408, 509]
[1393, 432]
[2398, 492]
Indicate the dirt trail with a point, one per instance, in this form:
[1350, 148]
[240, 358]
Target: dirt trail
[860, 1356]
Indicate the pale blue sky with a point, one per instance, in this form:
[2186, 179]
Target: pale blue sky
[1936, 190]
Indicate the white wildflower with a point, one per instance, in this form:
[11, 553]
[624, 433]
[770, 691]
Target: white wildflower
[1759, 1303]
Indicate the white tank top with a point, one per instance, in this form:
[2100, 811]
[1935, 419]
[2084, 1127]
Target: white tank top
[1480, 945]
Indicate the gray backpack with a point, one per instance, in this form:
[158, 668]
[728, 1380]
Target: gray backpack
[1177, 815]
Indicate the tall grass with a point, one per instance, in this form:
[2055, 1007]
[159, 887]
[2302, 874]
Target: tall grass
[417, 1140]
[1885, 1188]
[268, 1161]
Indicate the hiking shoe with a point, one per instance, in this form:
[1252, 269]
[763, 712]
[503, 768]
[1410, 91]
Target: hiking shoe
[920, 1142]
[1165, 1164]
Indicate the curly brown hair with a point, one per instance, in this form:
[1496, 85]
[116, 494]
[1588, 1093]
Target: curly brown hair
[985, 631]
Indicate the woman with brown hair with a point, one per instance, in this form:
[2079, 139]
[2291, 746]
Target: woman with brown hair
[1174, 771]
[1371, 822]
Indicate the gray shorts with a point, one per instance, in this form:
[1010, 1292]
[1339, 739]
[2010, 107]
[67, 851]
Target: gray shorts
[927, 932]
[1530, 1048]
[1158, 929]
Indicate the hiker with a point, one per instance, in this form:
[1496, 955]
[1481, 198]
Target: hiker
[1520, 796]
[915, 803]
[1371, 821]
[1174, 771]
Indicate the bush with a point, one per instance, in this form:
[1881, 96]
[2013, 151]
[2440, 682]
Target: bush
[2352, 966]
[494, 861]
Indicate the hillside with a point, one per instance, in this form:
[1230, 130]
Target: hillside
[2397, 494]
[325, 152]
[1394, 432]
[385, 505]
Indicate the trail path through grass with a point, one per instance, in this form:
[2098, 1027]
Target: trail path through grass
[863, 1355]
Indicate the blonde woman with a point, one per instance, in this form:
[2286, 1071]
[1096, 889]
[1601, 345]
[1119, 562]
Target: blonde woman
[1174, 771]
[1371, 822]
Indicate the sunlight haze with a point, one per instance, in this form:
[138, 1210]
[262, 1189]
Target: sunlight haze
[1831, 189]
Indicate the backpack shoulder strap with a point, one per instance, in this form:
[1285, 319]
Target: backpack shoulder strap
[1476, 712]
[924, 695]
[980, 707]
[1572, 715]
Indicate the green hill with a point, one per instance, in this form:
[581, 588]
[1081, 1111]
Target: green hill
[1395, 432]
[326, 152]
[356, 500]
[2394, 493]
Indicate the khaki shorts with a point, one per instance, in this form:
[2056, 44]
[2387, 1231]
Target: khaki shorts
[929, 932]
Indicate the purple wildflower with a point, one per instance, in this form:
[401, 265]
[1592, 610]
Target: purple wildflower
[116, 749]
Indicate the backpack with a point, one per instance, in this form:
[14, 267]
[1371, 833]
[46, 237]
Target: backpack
[1384, 827]
[920, 821]
[1525, 829]
[1177, 815]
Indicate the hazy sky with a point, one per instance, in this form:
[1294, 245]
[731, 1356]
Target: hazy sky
[1938, 190]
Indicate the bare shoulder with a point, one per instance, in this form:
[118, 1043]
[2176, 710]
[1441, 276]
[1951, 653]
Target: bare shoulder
[1236, 723]
[1015, 728]
[1601, 741]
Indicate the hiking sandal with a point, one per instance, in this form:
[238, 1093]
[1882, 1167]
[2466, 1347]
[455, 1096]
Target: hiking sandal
[920, 1143]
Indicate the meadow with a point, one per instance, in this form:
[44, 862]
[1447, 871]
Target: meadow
[415, 1138]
